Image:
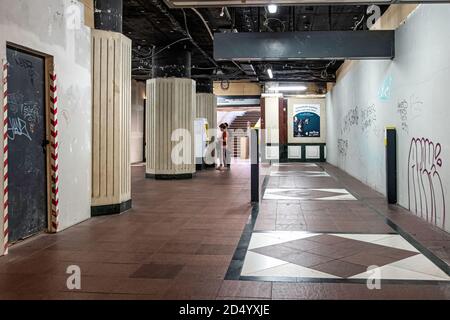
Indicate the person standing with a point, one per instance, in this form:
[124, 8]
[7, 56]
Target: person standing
[222, 147]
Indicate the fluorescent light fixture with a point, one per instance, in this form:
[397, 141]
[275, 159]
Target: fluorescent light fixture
[290, 88]
[272, 8]
[269, 72]
[271, 95]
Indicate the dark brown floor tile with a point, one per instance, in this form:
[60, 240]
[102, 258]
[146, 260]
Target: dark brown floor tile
[215, 249]
[327, 239]
[157, 271]
[340, 268]
[306, 259]
[301, 244]
[275, 251]
[369, 259]
[196, 290]
[246, 289]
[179, 247]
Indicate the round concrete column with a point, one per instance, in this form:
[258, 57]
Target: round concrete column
[170, 128]
[108, 15]
[206, 107]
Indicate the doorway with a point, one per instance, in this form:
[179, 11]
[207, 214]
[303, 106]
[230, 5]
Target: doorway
[27, 162]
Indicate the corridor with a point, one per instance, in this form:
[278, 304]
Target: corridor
[200, 239]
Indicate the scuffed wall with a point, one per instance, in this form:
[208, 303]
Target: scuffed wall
[137, 121]
[411, 93]
[56, 28]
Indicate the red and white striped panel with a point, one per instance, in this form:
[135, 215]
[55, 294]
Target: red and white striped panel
[54, 153]
[5, 158]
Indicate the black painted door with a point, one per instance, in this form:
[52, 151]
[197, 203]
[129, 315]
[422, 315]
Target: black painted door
[26, 133]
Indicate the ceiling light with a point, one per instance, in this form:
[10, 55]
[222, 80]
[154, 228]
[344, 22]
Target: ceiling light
[271, 95]
[269, 72]
[222, 12]
[272, 8]
[289, 88]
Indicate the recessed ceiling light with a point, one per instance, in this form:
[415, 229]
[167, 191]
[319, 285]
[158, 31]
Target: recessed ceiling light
[288, 88]
[272, 8]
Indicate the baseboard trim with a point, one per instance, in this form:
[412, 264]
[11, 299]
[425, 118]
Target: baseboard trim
[110, 209]
[169, 176]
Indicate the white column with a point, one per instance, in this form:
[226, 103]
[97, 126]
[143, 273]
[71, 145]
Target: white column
[111, 172]
[170, 113]
[207, 108]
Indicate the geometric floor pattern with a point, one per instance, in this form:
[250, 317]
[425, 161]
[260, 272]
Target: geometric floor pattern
[307, 194]
[302, 254]
[309, 174]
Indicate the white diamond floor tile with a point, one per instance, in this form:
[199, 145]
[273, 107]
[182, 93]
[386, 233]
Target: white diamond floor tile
[420, 263]
[260, 239]
[341, 194]
[417, 267]
[394, 273]
[363, 237]
[255, 262]
[396, 241]
[293, 270]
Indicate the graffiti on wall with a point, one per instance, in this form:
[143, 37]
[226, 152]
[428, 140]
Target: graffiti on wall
[425, 188]
[402, 110]
[408, 110]
[385, 90]
[368, 117]
[351, 119]
[342, 147]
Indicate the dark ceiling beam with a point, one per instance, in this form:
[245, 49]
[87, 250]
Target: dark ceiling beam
[177, 27]
[356, 45]
[260, 3]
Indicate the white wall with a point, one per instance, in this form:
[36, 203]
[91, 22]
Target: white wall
[271, 110]
[410, 92]
[137, 121]
[42, 26]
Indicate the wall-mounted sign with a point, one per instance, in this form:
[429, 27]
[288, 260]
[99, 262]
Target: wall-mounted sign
[238, 101]
[306, 120]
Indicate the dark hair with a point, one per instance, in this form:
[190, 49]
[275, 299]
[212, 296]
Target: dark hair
[226, 124]
[222, 126]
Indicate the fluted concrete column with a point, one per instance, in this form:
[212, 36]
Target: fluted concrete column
[170, 128]
[206, 107]
[111, 76]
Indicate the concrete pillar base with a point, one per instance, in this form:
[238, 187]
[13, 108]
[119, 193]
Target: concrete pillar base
[179, 176]
[110, 209]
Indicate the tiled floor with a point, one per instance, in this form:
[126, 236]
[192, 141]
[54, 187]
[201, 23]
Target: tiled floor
[189, 239]
[300, 254]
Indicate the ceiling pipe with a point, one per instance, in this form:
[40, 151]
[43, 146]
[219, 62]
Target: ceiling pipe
[204, 22]
[212, 36]
[161, 7]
